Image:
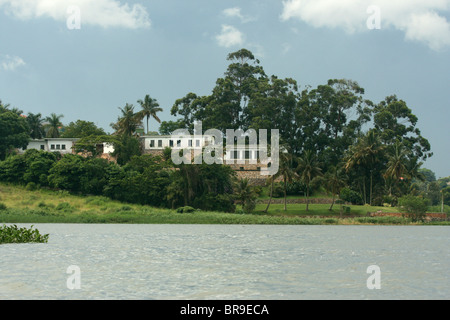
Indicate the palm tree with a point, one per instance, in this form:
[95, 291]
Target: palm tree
[246, 194]
[53, 125]
[334, 180]
[128, 122]
[365, 153]
[287, 172]
[149, 109]
[35, 122]
[397, 166]
[308, 169]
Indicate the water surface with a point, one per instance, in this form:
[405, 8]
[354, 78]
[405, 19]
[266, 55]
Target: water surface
[228, 262]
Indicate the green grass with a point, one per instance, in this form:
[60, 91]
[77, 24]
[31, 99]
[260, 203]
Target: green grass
[20, 205]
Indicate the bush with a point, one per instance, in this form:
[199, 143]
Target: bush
[351, 196]
[2, 206]
[186, 209]
[31, 186]
[415, 207]
[12, 234]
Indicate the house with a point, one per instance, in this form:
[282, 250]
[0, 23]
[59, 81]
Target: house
[61, 145]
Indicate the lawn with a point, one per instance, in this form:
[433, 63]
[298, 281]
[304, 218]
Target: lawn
[19, 205]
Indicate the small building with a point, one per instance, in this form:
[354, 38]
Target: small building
[62, 145]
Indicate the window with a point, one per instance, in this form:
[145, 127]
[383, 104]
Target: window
[197, 143]
[159, 143]
[236, 155]
[152, 143]
[190, 143]
[42, 147]
[171, 143]
[178, 143]
[247, 155]
[52, 147]
[63, 147]
[58, 147]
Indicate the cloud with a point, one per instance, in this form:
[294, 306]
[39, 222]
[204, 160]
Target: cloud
[103, 13]
[236, 13]
[229, 37]
[10, 63]
[419, 20]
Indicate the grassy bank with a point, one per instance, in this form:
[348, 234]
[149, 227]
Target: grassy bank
[18, 205]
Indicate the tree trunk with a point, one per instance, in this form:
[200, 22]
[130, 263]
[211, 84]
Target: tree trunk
[270, 199]
[332, 203]
[285, 194]
[307, 194]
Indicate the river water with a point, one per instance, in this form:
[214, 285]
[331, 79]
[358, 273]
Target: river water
[232, 262]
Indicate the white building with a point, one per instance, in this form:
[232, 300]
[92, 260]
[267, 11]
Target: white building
[62, 145]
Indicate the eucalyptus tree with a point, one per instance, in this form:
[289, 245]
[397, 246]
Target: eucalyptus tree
[53, 125]
[150, 108]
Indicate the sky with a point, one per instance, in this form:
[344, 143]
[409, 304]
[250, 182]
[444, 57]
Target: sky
[86, 58]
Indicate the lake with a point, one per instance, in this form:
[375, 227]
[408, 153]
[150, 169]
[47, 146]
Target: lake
[228, 262]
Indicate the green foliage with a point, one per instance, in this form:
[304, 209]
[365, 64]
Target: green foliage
[13, 234]
[2, 206]
[350, 195]
[14, 132]
[82, 129]
[186, 209]
[415, 207]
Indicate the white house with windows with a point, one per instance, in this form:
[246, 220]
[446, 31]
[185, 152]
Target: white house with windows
[158, 143]
[62, 145]
[241, 154]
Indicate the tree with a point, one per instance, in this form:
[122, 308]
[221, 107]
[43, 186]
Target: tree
[287, 172]
[396, 170]
[246, 194]
[168, 127]
[128, 122]
[35, 123]
[125, 147]
[14, 132]
[53, 125]
[364, 155]
[308, 168]
[415, 207]
[394, 121]
[82, 129]
[334, 180]
[149, 107]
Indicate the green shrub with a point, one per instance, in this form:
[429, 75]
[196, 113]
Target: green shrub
[65, 206]
[12, 234]
[186, 209]
[2, 206]
[415, 207]
[351, 196]
[31, 186]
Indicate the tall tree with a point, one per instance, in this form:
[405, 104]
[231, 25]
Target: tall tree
[14, 132]
[128, 121]
[308, 169]
[53, 125]
[82, 129]
[364, 154]
[36, 124]
[150, 107]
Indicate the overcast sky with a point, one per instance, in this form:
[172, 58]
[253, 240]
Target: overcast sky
[86, 58]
